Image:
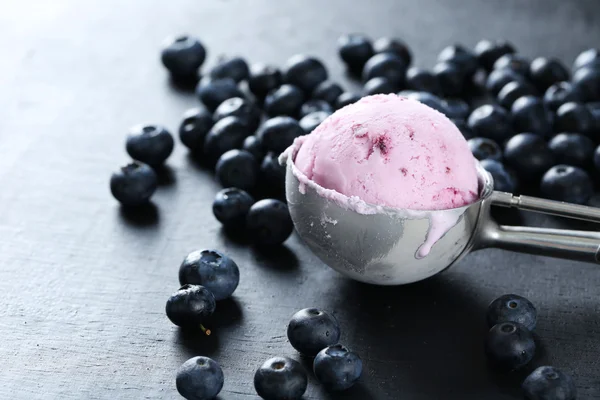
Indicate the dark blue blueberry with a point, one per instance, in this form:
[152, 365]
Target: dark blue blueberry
[430, 100]
[246, 110]
[587, 58]
[450, 77]
[561, 93]
[182, 56]
[346, 99]
[509, 346]
[572, 149]
[545, 72]
[512, 91]
[328, 91]
[285, 100]
[235, 68]
[190, 306]
[597, 159]
[194, 127]
[272, 176]
[464, 59]
[312, 106]
[231, 207]
[595, 110]
[462, 126]
[498, 78]
[456, 108]
[488, 52]
[337, 368]
[226, 134]
[574, 117]
[237, 168]
[514, 62]
[304, 72]
[133, 184]
[280, 378]
[484, 148]
[567, 183]
[269, 222]
[355, 49]
[311, 330]
[491, 121]
[213, 92]
[199, 378]
[311, 121]
[512, 308]
[529, 114]
[528, 155]
[378, 85]
[264, 78]
[150, 144]
[253, 146]
[504, 180]
[278, 133]
[211, 269]
[421, 80]
[386, 65]
[549, 383]
[394, 46]
[587, 80]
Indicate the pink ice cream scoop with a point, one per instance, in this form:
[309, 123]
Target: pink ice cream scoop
[391, 151]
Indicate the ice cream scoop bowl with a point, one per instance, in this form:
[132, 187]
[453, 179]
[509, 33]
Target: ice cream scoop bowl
[385, 246]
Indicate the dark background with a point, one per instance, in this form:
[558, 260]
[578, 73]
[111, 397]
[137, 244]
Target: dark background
[83, 284]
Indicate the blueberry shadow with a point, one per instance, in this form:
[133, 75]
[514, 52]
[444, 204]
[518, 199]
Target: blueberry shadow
[199, 163]
[279, 258]
[143, 216]
[197, 343]
[358, 391]
[236, 236]
[228, 313]
[166, 175]
[184, 85]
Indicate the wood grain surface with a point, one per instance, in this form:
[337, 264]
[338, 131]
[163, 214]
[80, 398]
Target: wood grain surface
[83, 284]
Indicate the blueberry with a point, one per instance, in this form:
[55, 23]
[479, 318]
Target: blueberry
[235, 68]
[456, 108]
[182, 56]
[561, 93]
[498, 78]
[304, 72]
[492, 122]
[199, 378]
[378, 85]
[461, 57]
[231, 207]
[574, 117]
[512, 308]
[150, 144]
[211, 269]
[512, 91]
[278, 133]
[311, 330]
[312, 106]
[587, 80]
[213, 92]
[194, 127]
[514, 62]
[133, 184]
[528, 155]
[567, 183]
[227, 134]
[285, 100]
[309, 122]
[597, 159]
[272, 176]
[587, 58]
[462, 126]
[429, 100]
[394, 46]
[504, 180]
[386, 65]
[269, 222]
[237, 168]
[572, 149]
[253, 146]
[549, 383]
[264, 78]
[544, 72]
[280, 378]
[346, 99]
[190, 306]
[509, 346]
[450, 77]
[355, 49]
[246, 110]
[595, 111]
[488, 52]
[529, 114]
[484, 148]
[421, 80]
[337, 368]
[328, 91]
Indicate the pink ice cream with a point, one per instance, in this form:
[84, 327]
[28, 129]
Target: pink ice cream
[391, 151]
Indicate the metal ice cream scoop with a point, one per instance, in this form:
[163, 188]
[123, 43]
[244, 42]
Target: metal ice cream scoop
[382, 248]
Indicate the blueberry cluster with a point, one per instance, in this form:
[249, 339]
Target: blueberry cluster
[510, 345]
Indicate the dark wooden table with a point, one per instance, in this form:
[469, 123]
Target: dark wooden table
[83, 284]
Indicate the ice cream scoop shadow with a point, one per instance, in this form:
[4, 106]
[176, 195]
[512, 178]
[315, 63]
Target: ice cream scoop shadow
[143, 216]
[228, 313]
[279, 258]
[195, 343]
[166, 175]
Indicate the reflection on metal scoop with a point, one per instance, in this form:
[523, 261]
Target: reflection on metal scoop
[383, 247]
